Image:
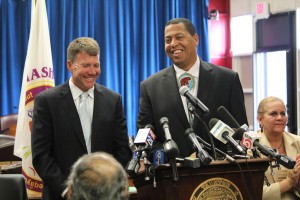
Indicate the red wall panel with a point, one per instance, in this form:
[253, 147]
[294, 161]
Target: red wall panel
[219, 34]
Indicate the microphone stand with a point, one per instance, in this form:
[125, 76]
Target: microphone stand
[208, 146]
[174, 169]
[192, 110]
[171, 151]
[147, 165]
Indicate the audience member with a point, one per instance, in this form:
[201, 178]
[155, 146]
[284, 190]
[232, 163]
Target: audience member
[280, 183]
[98, 176]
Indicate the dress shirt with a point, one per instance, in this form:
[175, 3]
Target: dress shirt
[194, 71]
[76, 92]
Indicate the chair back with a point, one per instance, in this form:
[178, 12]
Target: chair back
[8, 124]
[13, 187]
[7, 148]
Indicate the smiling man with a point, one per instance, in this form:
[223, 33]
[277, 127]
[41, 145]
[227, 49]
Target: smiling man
[215, 86]
[76, 118]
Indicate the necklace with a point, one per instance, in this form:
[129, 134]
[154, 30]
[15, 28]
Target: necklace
[280, 145]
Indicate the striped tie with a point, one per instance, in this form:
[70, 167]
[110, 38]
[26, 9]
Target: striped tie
[85, 120]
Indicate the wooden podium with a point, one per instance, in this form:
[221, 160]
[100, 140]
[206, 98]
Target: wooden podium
[219, 180]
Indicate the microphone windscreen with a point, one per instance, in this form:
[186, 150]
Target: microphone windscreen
[227, 117]
[212, 122]
[183, 89]
[239, 133]
[163, 120]
[150, 126]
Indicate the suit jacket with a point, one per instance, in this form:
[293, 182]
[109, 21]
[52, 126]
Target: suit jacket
[159, 97]
[292, 148]
[57, 136]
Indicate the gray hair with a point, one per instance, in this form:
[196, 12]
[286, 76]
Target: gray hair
[83, 44]
[98, 176]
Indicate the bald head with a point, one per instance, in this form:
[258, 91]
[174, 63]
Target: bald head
[98, 176]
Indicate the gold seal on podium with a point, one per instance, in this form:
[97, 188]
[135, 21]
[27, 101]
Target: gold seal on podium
[216, 188]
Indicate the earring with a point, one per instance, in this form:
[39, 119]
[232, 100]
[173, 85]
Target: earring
[261, 128]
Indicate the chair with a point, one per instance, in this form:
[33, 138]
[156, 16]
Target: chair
[8, 124]
[7, 148]
[13, 187]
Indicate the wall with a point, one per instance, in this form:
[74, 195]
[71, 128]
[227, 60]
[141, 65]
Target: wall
[243, 64]
[219, 34]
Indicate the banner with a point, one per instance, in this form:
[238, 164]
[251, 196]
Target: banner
[37, 77]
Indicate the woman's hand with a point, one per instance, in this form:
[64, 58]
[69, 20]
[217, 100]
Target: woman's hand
[296, 171]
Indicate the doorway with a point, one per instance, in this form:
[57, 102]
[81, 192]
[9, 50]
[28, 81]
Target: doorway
[274, 64]
[269, 77]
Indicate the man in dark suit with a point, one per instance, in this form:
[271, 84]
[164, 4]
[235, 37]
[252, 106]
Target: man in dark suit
[213, 85]
[59, 136]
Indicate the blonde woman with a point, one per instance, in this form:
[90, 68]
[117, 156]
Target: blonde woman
[280, 182]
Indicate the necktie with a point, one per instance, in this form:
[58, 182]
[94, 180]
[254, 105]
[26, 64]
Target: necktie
[188, 80]
[85, 120]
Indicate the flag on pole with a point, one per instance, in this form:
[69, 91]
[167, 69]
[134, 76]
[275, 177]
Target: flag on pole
[37, 77]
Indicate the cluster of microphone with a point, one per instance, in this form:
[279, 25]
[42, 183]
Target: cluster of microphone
[241, 138]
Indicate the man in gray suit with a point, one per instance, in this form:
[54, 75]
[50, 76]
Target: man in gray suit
[59, 133]
[213, 85]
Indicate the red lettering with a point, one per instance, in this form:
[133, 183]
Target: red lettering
[35, 74]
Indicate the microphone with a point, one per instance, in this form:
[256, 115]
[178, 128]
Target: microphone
[158, 157]
[184, 91]
[189, 162]
[227, 117]
[144, 140]
[145, 136]
[238, 136]
[208, 146]
[170, 147]
[204, 157]
[251, 139]
[133, 166]
[223, 133]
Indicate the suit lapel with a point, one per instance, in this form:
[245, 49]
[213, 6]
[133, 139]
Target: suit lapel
[206, 79]
[71, 112]
[172, 91]
[205, 83]
[98, 113]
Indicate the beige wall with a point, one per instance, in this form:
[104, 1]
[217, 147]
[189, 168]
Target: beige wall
[243, 7]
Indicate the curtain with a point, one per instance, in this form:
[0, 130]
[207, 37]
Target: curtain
[130, 34]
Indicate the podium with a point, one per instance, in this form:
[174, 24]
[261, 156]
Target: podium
[219, 180]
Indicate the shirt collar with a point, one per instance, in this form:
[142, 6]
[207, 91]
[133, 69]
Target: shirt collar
[194, 71]
[76, 92]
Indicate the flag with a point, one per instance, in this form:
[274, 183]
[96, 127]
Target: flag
[37, 77]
